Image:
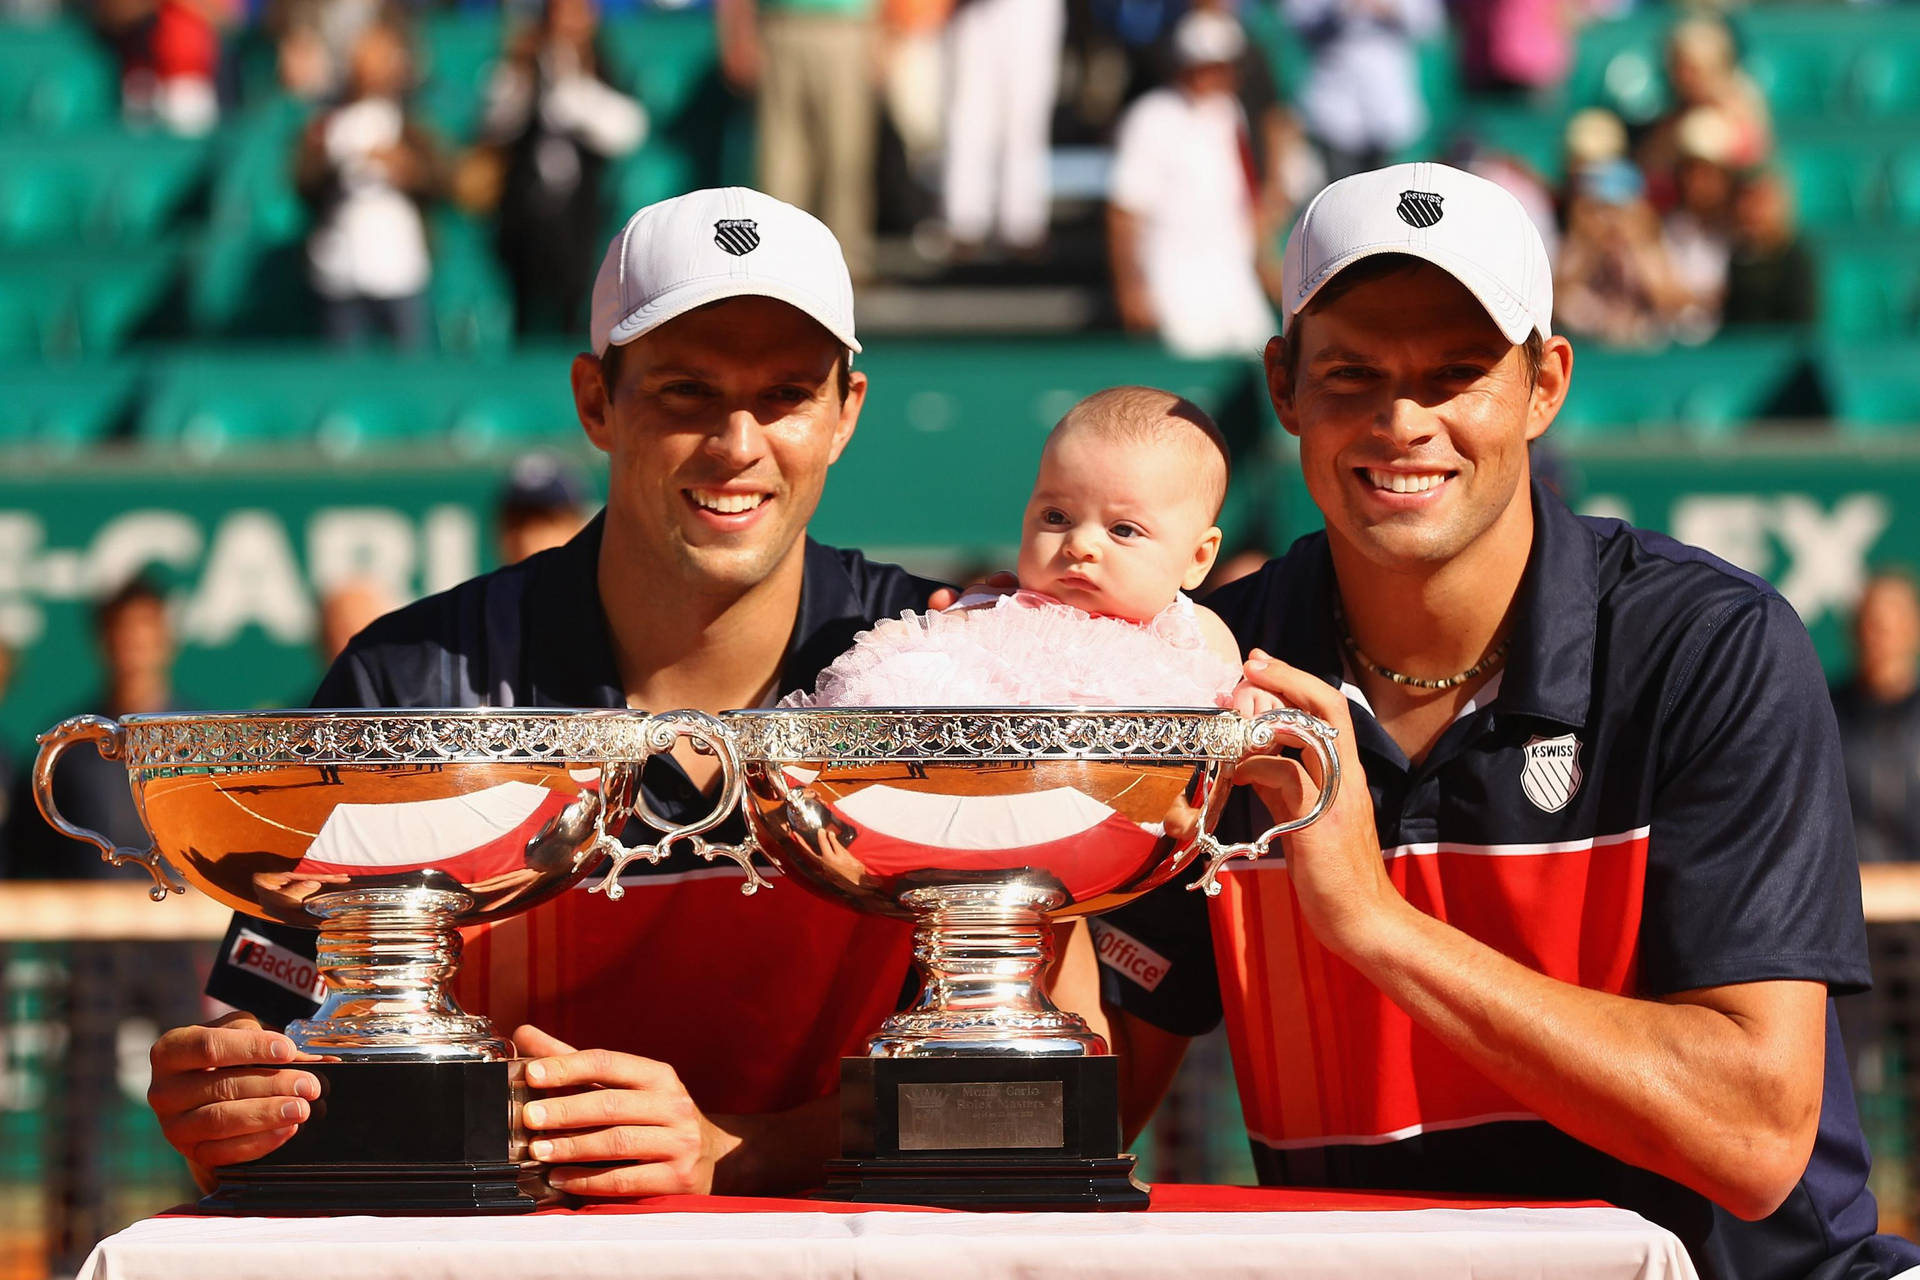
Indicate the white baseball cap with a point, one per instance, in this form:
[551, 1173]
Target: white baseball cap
[1472, 229]
[726, 242]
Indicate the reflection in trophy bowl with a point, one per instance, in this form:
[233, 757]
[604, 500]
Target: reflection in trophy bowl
[984, 824]
[1087, 808]
[264, 812]
[385, 830]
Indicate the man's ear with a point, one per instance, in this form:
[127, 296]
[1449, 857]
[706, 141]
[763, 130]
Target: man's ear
[591, 402]
[1203, 557]
[1279, 384]
[1550, 386]
[849, 413]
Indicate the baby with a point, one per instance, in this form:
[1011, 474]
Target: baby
[1119, 527]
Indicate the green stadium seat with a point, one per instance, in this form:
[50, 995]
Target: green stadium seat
[665, 59]
[957, 426]
[457, 53]
[1903, 186]
[104, 186]
[1873, 386]
[1800, 78]
[1837, 183]
[1697, 392]
[54, 76]
[78, 303]
[64, 409]
[1618, 63]
[1869, 289]
[1885, 81]
[1531, 135]
[209, 403]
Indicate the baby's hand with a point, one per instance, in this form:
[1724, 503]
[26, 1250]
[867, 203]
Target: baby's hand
[1251, 700]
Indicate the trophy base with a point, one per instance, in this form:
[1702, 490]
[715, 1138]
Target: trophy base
[1012, 1132]
[1054, 1185]
[396, 1138]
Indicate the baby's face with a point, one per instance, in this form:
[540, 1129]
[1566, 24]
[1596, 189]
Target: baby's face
[1115, 529]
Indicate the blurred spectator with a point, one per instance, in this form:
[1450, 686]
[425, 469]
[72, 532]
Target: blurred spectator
[1515, 45]
[1703, 70]
[314, 41]
[1770, 275]
[1003, 67]
[913, 74]
[1613, 282]
[1879, 714]
[1697, 233]
[812, 65]
[1362, 100]
[543, 504]
[1287, 169]
[558, 123]
[169, 53]
[1182, 220]
[346, 609]
[135, 640]
[1593, 137]
[7, 780]
[366, 167]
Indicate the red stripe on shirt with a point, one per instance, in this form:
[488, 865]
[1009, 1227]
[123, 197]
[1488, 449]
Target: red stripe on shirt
[1333, 1059]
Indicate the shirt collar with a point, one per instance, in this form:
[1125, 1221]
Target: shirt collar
[832, 612]
[567, 643]
[569, 649]
[1549, 671]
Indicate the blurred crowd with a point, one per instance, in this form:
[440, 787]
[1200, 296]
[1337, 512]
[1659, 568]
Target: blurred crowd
[543, 500]
[945, 120]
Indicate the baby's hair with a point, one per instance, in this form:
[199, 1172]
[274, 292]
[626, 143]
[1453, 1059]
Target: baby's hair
[1148, 415]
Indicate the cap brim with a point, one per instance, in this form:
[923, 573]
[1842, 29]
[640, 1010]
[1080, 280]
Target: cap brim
[1507, 311]
[698, 293]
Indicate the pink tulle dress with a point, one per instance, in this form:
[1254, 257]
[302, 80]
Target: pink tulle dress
[1027, 650]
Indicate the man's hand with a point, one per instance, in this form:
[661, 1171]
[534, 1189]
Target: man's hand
[997, 584]
[1335, 864]
[615, 1124]
[223, 1094]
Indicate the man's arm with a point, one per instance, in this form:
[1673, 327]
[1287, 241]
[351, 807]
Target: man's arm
[1129, 286]
[1717, 1088]
[1149, 1059]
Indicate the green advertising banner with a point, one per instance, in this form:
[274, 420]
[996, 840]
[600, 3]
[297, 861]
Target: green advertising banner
[246, 551]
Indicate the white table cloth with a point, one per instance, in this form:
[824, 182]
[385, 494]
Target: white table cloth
[1484, 1244]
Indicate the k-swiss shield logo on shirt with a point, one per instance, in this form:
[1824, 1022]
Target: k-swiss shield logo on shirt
[738, 236]
[1419, 208]
[1551, 775]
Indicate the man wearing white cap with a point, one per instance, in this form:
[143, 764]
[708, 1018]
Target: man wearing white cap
[1570, 928]
[720, 387]
[1183, 217]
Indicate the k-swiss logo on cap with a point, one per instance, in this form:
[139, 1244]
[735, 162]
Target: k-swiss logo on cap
[1419, 208]
[1551, 775]
[738, 236]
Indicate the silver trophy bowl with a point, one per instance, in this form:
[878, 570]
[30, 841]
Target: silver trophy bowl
[984, 826]
[384, 830]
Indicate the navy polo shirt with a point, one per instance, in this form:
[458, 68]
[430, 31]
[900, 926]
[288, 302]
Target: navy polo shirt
[1649, 801]
[752, 999]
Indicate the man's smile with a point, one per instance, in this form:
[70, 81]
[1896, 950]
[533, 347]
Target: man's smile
[727, 502]
[1404, 481]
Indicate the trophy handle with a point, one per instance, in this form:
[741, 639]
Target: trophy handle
[109, 738]
[1315, 735]
[660, 733]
